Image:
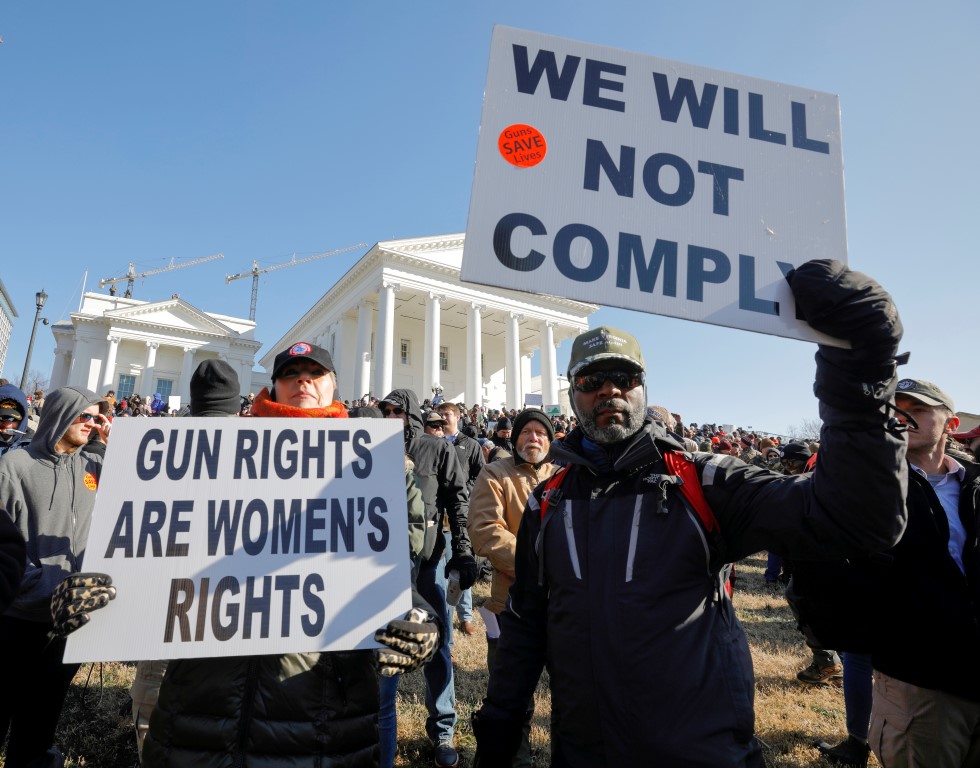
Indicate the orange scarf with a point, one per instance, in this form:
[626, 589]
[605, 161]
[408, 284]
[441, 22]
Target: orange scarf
[264, 405]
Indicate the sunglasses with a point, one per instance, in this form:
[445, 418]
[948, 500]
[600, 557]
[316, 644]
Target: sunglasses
[292, 372]
[592, 382]
[398, 411]
[5, 418]
[84, 418]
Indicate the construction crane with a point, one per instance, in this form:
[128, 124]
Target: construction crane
[255, 271]
[131, 275]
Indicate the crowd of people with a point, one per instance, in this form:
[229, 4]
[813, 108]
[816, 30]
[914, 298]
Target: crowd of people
[609, 535]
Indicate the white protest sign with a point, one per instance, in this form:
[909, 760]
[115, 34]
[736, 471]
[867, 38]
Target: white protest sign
[247, 536]
[637, 182]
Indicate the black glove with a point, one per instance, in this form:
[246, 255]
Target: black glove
[497, 740]
[410, 642]
[76, 597]
[851, 306]
[466, 565]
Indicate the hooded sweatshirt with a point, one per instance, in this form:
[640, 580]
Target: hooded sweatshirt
[20, 437]
[50, 496]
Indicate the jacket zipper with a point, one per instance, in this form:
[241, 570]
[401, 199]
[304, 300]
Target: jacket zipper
[248, 704]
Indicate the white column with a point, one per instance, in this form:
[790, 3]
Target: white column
[146, 383]
[433, 336]
[362, 357]
[245, 377]
[385, 342]
[186, 371]
[515, 390]
[109, 369]
[549, 365]
[474, 354]
[59, 374]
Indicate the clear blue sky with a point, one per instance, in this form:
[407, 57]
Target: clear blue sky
[136, 132]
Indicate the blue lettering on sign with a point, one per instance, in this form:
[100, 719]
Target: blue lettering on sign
[800, 139]
[502, 234]
[598, 159]
[757, 129]
[671, 103]
[528, 76]
[599, 258]
[722, 175]
[698, 273]
[594, 82]
[631, 254]
[704, 265]
[685, 179]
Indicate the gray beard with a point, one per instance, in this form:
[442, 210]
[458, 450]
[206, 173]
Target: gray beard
[632, 421]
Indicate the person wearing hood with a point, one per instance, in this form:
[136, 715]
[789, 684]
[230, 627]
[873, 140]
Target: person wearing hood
[620, 582]
[48, 490]
[496, 508]
[14, 430]
[442, 482]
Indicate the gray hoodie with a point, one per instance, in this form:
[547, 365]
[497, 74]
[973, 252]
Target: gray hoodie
[50, 496]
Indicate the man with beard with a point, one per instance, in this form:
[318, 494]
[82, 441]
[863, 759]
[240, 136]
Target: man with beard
[619, 585]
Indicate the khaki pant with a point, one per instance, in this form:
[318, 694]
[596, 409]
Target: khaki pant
[144, 692]
[914, 727]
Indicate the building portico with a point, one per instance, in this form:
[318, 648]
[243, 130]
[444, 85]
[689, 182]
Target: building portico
[401, 317]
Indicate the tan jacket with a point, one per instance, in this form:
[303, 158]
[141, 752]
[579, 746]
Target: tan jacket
[496, 507]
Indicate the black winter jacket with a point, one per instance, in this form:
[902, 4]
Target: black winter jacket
[619, 589]
[439, 477]
[928, 624]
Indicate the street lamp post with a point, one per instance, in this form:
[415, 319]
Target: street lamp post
[40, 297]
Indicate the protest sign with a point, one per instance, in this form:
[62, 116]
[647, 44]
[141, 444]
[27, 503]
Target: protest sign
[247, 536]
[637, 182]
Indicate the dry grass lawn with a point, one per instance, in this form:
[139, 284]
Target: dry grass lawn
[96, 729]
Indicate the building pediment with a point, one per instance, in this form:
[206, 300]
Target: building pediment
[174, 314]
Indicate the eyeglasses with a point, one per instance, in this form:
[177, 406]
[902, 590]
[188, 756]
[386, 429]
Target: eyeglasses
[591, 382]
[8, 418]
[84, 418]
[397, 410]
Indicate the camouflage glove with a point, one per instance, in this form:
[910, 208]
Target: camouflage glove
[410, 642]
[76, 597]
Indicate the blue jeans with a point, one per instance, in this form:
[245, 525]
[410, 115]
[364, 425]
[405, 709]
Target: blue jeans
[387, 721]
[465, 608]
[857, 693]
[440, 688]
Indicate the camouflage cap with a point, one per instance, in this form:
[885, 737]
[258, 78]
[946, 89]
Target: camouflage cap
[604, 343]
[925, 392]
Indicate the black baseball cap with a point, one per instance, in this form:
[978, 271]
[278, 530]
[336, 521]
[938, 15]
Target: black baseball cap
[302, 350]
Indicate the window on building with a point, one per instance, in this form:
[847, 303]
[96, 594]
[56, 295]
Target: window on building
[125, 387]
[443, 358]
[406, 352]
[165, 387]
[333, 343]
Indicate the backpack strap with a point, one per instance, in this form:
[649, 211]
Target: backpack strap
[678, 464]
[551, 488]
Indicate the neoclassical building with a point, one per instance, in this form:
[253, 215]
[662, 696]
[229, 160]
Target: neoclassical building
[147, 347]
[401, 317]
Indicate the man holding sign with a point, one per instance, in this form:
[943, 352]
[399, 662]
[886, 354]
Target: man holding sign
[620, 586]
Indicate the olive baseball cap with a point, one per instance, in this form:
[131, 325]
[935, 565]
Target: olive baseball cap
[925, 392]
[604, 343]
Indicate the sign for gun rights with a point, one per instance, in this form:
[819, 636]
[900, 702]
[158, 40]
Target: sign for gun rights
[632, 181]
[247, 536]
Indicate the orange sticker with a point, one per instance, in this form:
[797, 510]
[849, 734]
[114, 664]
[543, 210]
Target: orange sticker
[90, 481]
[522, 145]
